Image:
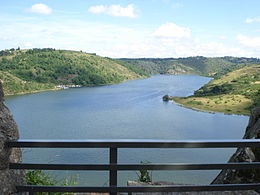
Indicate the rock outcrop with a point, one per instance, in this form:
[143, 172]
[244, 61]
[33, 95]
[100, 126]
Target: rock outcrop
[166, 98]
[134, 183]
[8, 131]
[244, 155]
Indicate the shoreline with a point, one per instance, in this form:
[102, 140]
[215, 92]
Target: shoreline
[227, 104]
[32, 92]
[60, 88]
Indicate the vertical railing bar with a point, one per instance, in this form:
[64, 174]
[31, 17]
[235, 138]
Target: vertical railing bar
[31, 193]
[113, 173]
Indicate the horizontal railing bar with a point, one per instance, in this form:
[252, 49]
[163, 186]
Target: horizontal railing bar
[60, 166]
[134, 143]
[126, 167]
[168, 188]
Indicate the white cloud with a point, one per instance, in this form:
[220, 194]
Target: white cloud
[253, 42]
[115, 10]
[172, 30]
[251, 20]
[40, 8]
[223, 37]
[114, 40]
[6, 38]
[28, 44]
[217, 49]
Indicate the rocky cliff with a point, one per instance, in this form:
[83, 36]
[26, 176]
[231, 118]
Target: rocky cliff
[244, 155]
[8, 130]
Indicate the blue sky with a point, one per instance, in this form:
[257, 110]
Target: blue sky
[140, 28]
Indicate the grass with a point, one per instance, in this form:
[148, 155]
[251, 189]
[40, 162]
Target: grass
[13, 85]
[40, 178]
[236, 92]
[229, 104]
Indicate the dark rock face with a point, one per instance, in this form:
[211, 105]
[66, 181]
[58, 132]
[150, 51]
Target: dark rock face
[244, 155]
[8, 130]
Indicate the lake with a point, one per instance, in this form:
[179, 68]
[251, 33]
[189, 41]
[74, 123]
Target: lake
[129, 110]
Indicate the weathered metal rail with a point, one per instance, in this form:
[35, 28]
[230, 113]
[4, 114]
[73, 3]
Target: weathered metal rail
[113, 167]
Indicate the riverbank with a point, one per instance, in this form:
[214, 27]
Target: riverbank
[64, 87]
[236, 92]
[27, 71]
[228, 104]
[33, 91]
[130, 110]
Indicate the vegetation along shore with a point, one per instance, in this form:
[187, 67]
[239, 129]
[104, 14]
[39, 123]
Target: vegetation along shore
[236, 92]
[235, 88]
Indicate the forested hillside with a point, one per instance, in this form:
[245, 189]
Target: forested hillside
[39, 69]
[215, 67]
[161, 66]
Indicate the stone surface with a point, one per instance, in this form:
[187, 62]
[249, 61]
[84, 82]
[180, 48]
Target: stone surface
[8, 131]
[244, 155]
[134, 183]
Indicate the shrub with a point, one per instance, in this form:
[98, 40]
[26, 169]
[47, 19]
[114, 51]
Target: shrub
[195, 102]
[38, 177]
[145, 175]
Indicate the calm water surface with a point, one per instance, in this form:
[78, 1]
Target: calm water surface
[130, 110]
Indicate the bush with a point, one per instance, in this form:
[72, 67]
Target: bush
[144, 176]
[194, 102]
[38, 177]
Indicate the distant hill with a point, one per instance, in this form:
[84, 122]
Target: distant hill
[237, 92]
[215, 67]
[234, 89]
[161, 66]
[24, 71]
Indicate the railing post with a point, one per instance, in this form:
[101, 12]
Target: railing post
[113, 173]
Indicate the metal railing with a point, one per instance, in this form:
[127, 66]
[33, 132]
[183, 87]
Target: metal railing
[113, 167]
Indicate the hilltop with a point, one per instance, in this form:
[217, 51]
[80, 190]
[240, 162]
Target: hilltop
[235, 92]
[26, 71]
